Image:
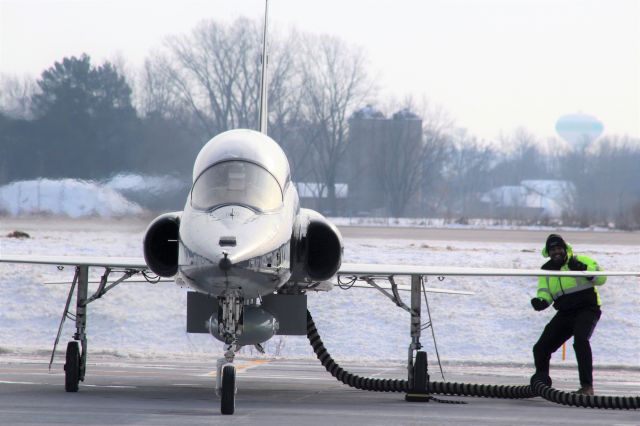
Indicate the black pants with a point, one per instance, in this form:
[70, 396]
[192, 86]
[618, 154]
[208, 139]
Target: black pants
[579, 324]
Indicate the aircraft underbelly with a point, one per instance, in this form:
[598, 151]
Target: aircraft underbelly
[248, 283]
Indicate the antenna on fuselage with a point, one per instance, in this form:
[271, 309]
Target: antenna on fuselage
[263, 79]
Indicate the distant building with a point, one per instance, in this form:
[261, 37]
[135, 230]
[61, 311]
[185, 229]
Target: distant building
[312, 195]
[374, 140]
[532, 199]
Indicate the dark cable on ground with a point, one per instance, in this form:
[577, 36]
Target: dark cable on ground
[536, 388]
[586, 401]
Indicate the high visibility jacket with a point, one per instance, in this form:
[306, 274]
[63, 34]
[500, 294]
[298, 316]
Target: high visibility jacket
[570, 292]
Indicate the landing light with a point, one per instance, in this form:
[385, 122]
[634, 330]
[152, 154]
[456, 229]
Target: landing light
[225, 263]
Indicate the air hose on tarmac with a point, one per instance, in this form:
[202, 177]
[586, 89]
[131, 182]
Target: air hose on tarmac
[537, 387]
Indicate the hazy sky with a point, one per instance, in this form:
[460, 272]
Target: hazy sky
[493, 65]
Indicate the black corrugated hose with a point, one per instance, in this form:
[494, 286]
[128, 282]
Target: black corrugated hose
[537, 387]
[585, 401]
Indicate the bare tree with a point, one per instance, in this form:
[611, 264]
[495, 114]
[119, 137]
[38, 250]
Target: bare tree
[438, 129]
[524, 159]
[466, 175]
[287, 124]
[334, 82]
[154, 95]
[606, 177]
[15, 96]
[213, 74]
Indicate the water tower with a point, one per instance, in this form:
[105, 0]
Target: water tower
[579, 129]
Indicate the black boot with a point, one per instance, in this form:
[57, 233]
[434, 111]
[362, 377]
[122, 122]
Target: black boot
[585, 390]
[540, 377]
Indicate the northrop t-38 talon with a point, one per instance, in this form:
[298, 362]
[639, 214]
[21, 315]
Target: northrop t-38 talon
[241, 237]
[249, 253]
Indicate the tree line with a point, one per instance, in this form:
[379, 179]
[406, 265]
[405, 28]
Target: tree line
[89, 121]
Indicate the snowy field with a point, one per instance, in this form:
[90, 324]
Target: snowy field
[497, 325]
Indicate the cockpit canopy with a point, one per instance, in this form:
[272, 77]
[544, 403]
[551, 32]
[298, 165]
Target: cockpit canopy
[236, 182]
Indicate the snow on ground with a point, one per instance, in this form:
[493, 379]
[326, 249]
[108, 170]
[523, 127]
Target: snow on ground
[456, 223]
[129, 182]
[66, 197]
[496, 325]
[122, 195]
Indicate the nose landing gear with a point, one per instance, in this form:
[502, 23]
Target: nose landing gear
[230, 326]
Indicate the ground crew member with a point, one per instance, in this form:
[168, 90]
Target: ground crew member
[578, 304]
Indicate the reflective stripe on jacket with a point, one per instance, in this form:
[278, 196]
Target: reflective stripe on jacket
[552, 288]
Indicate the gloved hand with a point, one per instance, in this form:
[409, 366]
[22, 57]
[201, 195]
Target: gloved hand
[539, 304]
[575, 265]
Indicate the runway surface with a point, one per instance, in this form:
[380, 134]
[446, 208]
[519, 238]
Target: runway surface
[491, 235]
[576, 236]
[278, 392]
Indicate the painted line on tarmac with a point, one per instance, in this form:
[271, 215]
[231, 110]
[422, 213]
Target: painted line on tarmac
[10, 382]
[110, 386]
[282, 377]
[241, 367]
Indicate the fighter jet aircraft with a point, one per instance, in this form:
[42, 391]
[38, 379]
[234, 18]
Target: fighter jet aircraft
[248, 251]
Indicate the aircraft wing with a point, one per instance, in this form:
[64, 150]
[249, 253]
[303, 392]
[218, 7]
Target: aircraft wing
[357, 269]
[103, 261]
[372, 270]
[403, 287]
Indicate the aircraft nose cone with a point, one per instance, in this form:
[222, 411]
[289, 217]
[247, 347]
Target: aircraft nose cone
[224, 264]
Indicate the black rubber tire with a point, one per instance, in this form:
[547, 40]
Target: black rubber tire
[228, 400]
[420, 372]
[72, 367]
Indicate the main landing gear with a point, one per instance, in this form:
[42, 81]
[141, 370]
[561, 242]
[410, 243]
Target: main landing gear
[76, 355]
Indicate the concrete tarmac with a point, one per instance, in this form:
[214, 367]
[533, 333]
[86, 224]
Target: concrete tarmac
[279, 392]
[522, 235]
[539, 236]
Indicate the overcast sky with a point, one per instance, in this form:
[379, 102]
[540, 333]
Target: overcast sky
[494, 65]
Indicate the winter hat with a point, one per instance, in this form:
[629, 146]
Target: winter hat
[554, 240]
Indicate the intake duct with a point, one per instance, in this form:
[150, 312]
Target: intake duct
[160, 244]
[316, 248]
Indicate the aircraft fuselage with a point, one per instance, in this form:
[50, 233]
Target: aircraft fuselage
[236, 227]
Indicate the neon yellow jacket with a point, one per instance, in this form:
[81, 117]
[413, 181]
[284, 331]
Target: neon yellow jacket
[570, 292]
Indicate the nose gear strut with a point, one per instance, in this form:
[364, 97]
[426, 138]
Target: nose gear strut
[230, 327]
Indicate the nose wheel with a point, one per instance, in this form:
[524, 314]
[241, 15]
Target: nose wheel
[228, 390]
